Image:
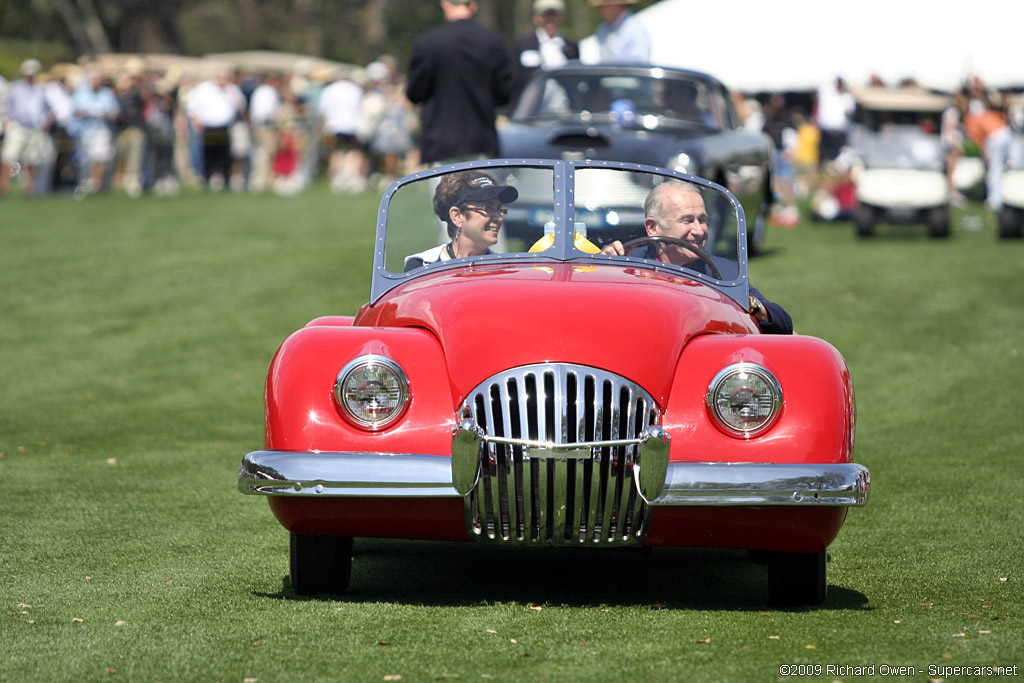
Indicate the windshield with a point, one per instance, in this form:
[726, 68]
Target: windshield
[1015, 154]
[623, 98]
[416, 227]
[899, 146]
[566, 211]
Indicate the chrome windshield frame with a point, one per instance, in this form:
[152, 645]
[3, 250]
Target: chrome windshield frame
[563, 249]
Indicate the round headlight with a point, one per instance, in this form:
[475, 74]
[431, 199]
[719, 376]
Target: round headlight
[372, 392]
[745, 399]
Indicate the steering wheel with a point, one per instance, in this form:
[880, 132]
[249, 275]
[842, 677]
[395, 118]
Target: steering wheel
[664, 239]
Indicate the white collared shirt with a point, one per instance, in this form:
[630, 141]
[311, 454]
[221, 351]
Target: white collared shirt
[552, 50]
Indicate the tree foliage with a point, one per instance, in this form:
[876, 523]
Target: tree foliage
[354, 31]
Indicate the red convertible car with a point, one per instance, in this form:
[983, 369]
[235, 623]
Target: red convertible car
[584, 379]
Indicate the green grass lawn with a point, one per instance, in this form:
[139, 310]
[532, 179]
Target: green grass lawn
[134, 338]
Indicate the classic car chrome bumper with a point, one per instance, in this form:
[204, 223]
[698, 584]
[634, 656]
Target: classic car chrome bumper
[287, 473]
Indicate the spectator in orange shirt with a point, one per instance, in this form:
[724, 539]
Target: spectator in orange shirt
[988, 128]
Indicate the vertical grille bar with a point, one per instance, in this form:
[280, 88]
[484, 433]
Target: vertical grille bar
[573, 482]
[542, 470]
[494, 454]
[559, 482]
[596, 480]
[524, 484]
[508, 471]
[613, 482]
[576, 434]
[626, 488]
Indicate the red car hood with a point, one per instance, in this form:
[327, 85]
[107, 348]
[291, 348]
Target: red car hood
[630, 321]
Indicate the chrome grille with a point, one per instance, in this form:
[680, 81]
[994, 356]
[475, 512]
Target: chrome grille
[526, 494]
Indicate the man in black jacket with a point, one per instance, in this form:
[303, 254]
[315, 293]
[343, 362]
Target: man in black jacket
[545, 48]
[460, 74]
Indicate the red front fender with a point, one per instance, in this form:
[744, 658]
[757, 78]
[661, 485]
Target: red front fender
[301, 414]
[817, 419]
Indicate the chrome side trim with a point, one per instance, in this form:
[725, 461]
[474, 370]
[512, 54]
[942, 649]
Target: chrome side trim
[393, 475]
[708, 483]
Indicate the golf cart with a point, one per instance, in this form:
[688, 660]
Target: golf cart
[1011, 215]
[900, 174]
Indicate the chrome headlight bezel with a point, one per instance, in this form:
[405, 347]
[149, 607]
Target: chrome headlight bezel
[352, 395]
[745, 400]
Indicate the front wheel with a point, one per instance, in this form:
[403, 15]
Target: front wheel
[320, 564]
[796, 579]
[756, 232]
[864, 221]
[938, 222]
[1010, 222]
[756, 235]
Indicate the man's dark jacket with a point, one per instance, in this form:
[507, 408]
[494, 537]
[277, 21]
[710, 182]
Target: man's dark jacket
[460, 74]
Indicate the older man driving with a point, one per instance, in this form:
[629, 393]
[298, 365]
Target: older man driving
[675, 210]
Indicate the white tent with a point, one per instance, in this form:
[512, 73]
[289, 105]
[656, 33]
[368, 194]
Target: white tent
[758, 46]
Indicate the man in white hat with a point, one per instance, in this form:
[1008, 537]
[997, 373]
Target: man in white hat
[544, 48]
[26, 125]
[621, 37]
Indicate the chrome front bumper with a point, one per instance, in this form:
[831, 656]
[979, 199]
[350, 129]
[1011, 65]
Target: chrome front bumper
[287, 473]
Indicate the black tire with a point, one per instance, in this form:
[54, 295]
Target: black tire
[1010, 220]
[797, 579]
[759, 556]
[756, 235]
[320, 564]
[938, 222]
[758, 231]
[864, 221]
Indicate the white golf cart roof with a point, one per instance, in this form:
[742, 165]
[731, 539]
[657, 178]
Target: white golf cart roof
[900, 99]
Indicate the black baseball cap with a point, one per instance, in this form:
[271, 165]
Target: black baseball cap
[482, 188]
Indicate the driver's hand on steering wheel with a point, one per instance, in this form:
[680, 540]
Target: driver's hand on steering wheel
[614, 249]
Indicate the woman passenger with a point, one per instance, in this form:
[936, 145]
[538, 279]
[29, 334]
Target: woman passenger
[470, 205]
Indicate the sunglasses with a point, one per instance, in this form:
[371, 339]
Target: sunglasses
[490, 213]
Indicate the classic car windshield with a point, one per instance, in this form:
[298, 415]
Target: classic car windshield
[624, 98]
[504, 210]
[416, 233]
[625, 206]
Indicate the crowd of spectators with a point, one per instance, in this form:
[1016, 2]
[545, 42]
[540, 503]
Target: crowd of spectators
[136, 128]
[88, 127]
